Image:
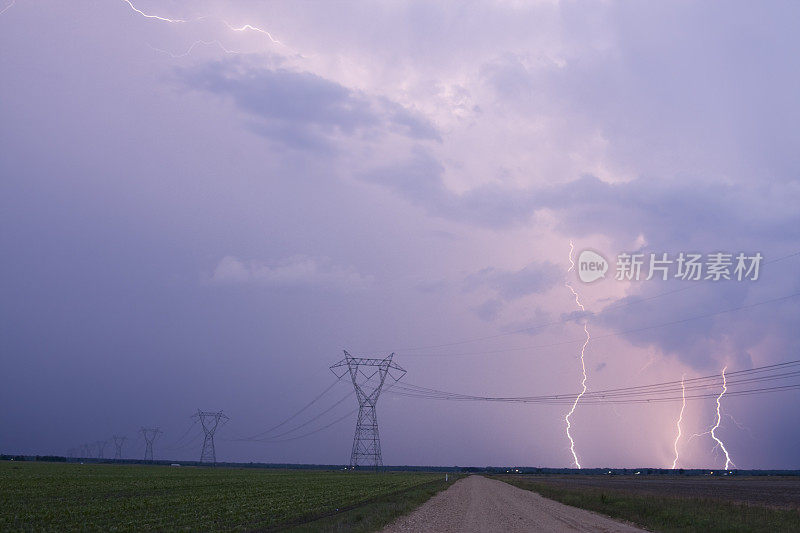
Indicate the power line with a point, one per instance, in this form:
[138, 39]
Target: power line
[346, 415]
[189, 443]
[636, 394]
[343, 417]
[620, 395]
[715, 377]
[712, 380]
[304, 424]
[176, 444]
[597, 401]
[293, 416]
[622, 391]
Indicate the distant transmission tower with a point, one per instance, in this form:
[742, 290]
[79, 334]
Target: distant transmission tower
[368, 376]
[118, 442]
[86, 451]
[150, 435]
[101, 448]
[210, 421]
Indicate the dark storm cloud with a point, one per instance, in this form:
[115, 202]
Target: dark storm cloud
[534, 278]
[673, 216]
[122, 196]
[677, 87]
[318, 273]
[489, 310]
[685, 210]
[408, 122]
[509, 285]
[684, 216]
[303, 110]
[420, 180]
[703, 341]
[676, 211]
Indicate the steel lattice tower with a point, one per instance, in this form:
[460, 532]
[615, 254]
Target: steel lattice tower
[118, 442]
[211, 422]
[150, 435]
[368, 376]
[101, 448]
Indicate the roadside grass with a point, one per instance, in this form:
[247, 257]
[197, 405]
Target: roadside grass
[667, 513]
[106, 497]
[378, 512]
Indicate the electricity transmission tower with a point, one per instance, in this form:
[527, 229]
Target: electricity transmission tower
[210, 421]
[101, 448]
[150, 435]
[368, 376]
[118, 442]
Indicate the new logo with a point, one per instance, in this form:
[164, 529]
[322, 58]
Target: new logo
[591, 266]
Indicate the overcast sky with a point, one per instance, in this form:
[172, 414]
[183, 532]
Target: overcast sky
[193, 216]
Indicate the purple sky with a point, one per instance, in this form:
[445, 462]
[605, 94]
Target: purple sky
[193, 216]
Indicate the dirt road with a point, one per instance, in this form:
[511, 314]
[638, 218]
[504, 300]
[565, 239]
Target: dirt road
[477, 504]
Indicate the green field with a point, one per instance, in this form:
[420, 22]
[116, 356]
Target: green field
[675, 504]
[53, 496]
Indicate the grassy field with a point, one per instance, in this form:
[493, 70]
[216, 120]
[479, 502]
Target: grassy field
[675, 503]
[52, 496]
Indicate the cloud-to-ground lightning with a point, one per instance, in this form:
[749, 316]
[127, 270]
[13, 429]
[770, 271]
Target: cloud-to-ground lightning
[583, 361]
[717, 421]
[678, 424]
[728, 461]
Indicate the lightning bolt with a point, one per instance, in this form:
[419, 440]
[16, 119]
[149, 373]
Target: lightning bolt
[193, 46]
[147, 15]
[244, 28]
[678, 424]
[9, 6]
[740, 426]
[583, 361]
[249, 27]
[649, 363]
[728, 461]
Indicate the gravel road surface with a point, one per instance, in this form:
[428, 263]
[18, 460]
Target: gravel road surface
[477, 504]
